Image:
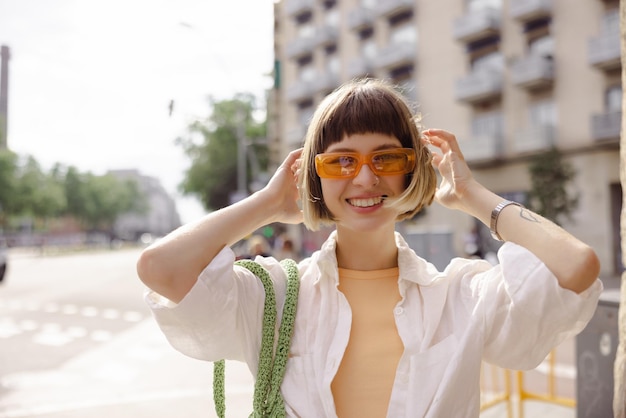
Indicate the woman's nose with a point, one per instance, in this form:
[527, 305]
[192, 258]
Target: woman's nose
[365, 177]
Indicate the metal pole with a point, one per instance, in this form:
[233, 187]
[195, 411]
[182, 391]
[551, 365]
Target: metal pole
[5, 55]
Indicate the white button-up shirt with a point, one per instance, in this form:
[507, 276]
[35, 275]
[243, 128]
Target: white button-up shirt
[510, 315]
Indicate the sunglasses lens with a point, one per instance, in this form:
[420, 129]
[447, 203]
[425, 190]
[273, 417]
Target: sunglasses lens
[388, 162]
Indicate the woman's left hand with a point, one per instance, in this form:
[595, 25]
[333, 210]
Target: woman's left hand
[456, 177]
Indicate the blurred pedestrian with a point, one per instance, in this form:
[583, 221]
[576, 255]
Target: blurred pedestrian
[379, 331]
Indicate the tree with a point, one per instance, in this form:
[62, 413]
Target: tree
[97, 201]
[619, 393]
[38, 193]
[8, 168]
[212, 146]
[549, 195]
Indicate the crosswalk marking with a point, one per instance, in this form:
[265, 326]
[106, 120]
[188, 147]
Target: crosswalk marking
[53, 333]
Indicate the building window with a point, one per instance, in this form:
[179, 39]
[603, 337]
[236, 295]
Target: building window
[487, 124]
[543, 114]
[613, 98]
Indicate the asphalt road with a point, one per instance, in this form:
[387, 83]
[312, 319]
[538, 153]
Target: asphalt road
[77, 340]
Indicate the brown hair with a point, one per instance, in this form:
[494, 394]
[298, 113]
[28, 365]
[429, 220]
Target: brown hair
[358, 107]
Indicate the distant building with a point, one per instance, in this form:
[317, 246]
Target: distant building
[161, 216]
[511, 78]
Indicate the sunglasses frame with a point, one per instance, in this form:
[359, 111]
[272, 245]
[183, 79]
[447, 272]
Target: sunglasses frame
[364, 159]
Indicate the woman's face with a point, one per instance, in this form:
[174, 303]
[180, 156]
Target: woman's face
[357, 203]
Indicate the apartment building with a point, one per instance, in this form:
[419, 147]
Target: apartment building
[511, 78]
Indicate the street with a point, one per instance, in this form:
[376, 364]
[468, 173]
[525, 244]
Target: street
[77, 340]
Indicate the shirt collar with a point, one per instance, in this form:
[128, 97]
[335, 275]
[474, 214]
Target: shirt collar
[412, 267]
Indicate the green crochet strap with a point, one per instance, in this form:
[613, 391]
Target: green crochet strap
[267, 401]
[275, 401]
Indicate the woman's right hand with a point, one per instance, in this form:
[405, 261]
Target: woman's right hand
[282, 190]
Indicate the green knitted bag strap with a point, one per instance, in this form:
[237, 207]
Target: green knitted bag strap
[267, 401]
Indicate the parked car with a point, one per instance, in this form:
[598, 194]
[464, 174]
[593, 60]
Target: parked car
[3, 259]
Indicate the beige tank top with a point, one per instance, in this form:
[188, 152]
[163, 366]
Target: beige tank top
[362, 386]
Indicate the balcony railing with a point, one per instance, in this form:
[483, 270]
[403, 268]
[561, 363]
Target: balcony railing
[300, 90]
[360, 18]
[396, 53]
[326, 34]
[606, 126]
[477, 25]
[360, 67]
[479, 85]
[526, 10]
[296, 7]
[482, 148]
[534, 139]
[300, 46]
[533, 71]
[389, 7]
[604, 51]
[326, 82]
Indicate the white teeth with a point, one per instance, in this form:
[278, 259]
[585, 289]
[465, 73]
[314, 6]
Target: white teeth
[364, 203]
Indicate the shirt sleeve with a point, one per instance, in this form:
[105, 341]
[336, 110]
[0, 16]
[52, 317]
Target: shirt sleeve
[221, 316]
[527, 312]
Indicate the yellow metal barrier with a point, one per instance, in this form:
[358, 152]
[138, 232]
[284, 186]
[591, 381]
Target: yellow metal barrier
[551, 395]
[496, 388]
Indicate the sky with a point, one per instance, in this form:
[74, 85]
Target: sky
[91, 81]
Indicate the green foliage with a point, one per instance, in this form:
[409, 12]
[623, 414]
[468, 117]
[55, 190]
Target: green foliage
[96, 201]
[211, 145]
[549, 195]
[8, 168]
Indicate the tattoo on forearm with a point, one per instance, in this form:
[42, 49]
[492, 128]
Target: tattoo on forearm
[528, 215]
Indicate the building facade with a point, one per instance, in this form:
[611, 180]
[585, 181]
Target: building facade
[511, 78]
[161, 216]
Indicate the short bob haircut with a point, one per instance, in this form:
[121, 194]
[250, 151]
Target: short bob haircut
[359, 107]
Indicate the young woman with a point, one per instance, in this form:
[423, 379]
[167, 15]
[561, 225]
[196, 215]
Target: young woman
[379, 332]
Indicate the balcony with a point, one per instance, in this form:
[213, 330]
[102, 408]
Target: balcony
[300, 46]
[535, 139]
[391, 7]
[326, 34]
[527, 10]
[477, 25]
[482, 148]
[479, 86]
[409, 91]
[360, 67]
[604, 51]
[297, 7]
[295, 137]
[326, 82]
[396, 54]
[533, 72]
[360, 18]
[300, 91]
[606, 126]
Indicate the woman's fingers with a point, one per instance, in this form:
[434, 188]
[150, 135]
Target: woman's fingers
[443, 140]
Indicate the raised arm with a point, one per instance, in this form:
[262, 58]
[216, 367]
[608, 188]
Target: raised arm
[172, 265]
[575, 264]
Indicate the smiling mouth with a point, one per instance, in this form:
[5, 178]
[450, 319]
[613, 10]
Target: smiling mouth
[366, 203]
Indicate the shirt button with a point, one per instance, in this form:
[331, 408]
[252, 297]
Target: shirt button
[398, 311]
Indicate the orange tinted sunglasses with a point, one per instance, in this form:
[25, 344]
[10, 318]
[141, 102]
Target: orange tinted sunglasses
[341, 165]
